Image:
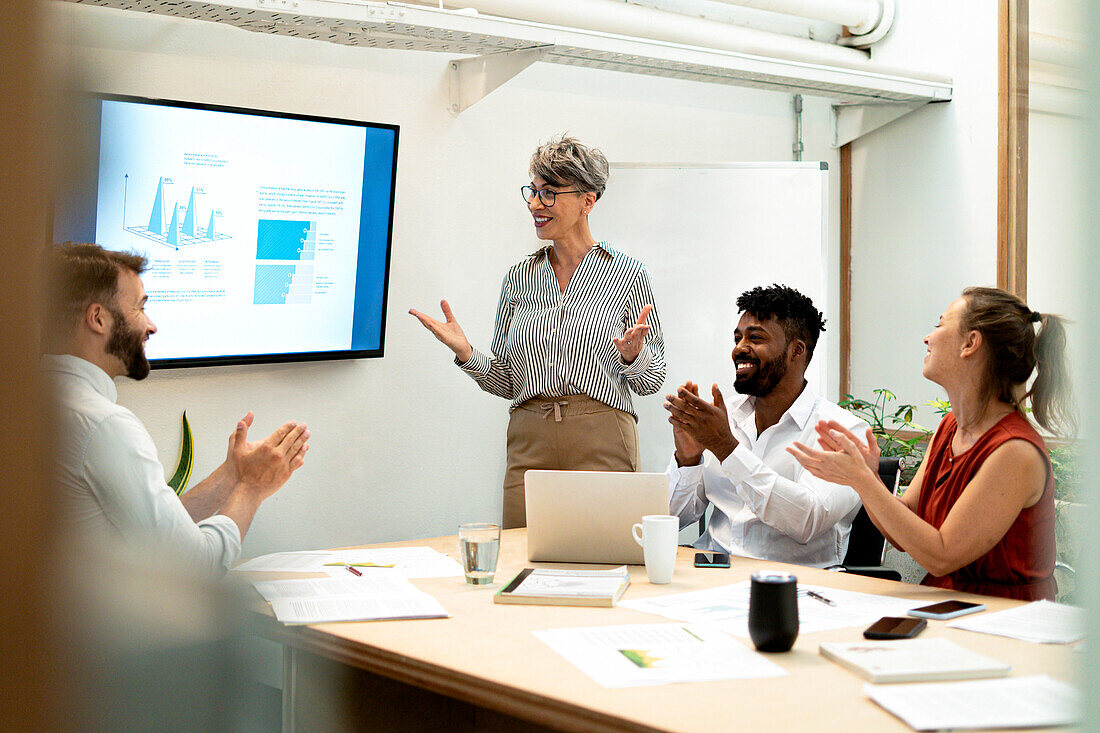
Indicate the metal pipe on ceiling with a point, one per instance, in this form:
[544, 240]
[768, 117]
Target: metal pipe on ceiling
[858, 16]
[617, 17]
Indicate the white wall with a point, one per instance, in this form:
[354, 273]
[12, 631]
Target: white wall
[1057, 232]
[407, 446]
[924, 198]
[1057, 238]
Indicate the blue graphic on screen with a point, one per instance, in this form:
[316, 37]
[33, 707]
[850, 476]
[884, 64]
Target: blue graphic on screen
[252, 253]
[166, 228]
[285, 240]
[280, 284]
[283, 284]
[370, 292]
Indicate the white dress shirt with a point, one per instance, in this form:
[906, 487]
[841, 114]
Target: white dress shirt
[765, 504]
[113, 482]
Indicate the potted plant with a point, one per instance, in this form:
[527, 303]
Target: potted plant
[1069, 517]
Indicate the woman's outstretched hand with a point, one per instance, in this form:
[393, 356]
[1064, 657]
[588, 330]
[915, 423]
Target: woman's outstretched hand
[844, 459]
[630, 345]
[826, 438]
[448, 331]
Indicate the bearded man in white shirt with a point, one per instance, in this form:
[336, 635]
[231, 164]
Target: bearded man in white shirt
[107, 467]
[735, 458]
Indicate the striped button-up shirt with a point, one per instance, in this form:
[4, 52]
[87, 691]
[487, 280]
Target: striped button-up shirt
[549, 343]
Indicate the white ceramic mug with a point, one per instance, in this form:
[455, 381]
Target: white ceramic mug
[657, 534]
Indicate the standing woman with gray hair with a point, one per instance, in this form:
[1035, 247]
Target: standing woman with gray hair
[576, 332]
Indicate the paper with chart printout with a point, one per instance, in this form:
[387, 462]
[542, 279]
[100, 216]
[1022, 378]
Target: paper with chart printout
[656, 654]
[370, 597]
[727, 607]
[1011, 702]
[409, 562]
[1045, 622]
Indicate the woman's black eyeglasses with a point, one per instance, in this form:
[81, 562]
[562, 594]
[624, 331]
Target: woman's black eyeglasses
[546, 195]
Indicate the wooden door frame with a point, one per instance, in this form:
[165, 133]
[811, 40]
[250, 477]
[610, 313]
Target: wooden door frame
[31, 691]
[1012, 147]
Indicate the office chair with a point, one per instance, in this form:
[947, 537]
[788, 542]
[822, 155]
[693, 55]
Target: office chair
[866, 545]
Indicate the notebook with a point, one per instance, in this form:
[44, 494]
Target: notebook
[912, 660]
[557, 587]
[586, 516]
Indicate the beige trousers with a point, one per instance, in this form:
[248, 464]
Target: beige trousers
[574, 432]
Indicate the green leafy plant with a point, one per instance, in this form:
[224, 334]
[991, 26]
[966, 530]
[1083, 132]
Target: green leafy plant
[1067, 473]
[179, 479]
[898, 436]
[1068, 517]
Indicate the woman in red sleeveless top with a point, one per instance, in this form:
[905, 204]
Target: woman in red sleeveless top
[979, 515]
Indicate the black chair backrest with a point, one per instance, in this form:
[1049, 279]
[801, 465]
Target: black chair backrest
[866, 545]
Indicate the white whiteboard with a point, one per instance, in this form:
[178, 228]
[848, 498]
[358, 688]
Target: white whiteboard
[707, 233]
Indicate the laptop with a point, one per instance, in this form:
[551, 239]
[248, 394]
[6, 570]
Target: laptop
[586, 516]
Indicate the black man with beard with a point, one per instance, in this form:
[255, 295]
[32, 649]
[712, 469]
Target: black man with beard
[734, 457]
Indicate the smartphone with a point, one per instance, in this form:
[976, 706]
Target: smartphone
[946, 610]
[712, 560]
[893, 627]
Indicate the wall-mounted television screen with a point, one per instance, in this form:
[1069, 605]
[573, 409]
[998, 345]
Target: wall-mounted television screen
[267, 234]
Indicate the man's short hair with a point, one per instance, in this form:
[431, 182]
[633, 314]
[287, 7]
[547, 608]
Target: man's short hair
[79, 274]
[794, 312]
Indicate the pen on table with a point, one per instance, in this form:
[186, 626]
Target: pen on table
[353, 571]
[819, 597]
[689, 632]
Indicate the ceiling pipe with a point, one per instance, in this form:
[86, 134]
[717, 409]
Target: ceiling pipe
[858, 16]
[617, 17]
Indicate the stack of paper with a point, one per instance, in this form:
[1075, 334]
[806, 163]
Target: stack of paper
[1013, 702]
[727, 607]
[371, 597]
[656, 654]
[912, 660]
[409, 562]
[1042, 621]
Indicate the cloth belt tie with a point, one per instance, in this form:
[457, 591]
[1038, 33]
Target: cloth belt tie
[556, 407]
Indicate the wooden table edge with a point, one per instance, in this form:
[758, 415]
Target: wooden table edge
[457, 685]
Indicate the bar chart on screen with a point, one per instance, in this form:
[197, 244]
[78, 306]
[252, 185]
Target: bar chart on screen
[166, 226]
[285, 251]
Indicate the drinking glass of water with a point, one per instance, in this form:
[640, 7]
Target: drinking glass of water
[479, 544]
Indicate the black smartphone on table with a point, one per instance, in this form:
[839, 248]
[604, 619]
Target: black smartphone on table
[894, 627]
[712, 560]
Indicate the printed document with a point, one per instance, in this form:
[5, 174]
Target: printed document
[1012, 702]
[1042, 621]
[288, 562]
[370, 597]
[727, 607]
[656, 654]
[409, 562]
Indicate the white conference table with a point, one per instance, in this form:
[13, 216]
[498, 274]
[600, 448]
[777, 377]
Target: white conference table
[483, 669]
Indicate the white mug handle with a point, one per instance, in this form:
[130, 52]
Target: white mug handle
[635, 531]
